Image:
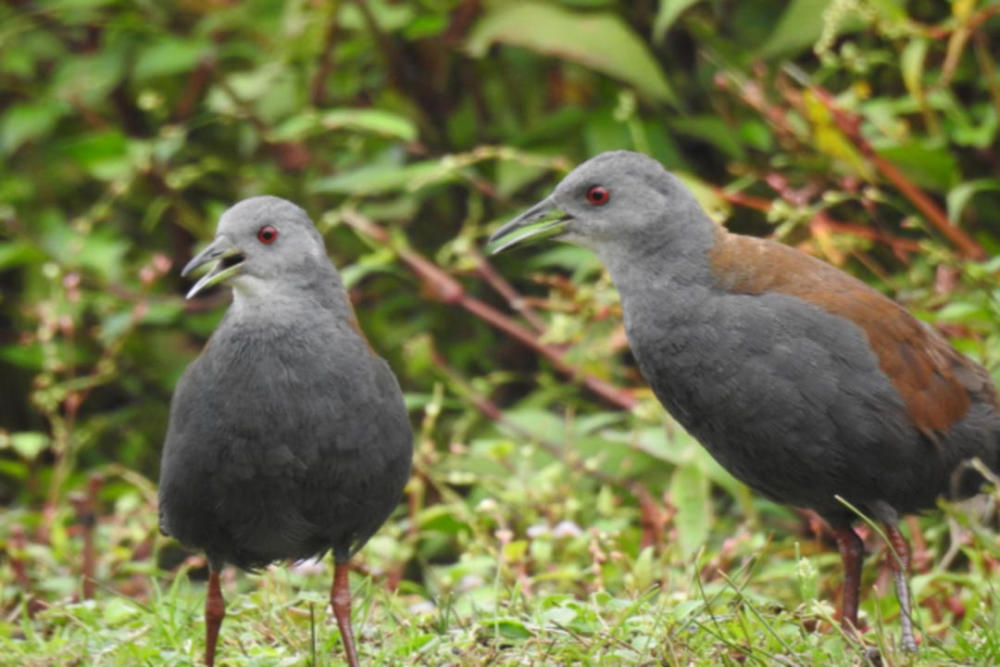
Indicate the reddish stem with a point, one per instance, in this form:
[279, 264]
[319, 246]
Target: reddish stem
[87, 518]
[973, 23]
[850, 124]
[507, 291]
[898, 244]
[447, 289]
[652, 519]
[324, 65]
[194, 90]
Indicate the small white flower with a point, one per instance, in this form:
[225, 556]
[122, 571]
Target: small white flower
[538, 530]
[566, 529]
[423, 607]
[470, 582]
[486, 505]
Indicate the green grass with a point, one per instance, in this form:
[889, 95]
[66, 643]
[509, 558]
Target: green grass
[479, 571]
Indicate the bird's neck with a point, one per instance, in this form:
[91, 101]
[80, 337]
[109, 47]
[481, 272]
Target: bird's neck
[670, 301]
[667, 285]
[319, 290]
[672, 256]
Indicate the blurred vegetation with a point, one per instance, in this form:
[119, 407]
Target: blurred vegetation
[556, 514]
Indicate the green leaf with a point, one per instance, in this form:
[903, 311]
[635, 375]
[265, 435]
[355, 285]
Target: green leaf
[711, 129]
[104, 155]
[928, 165]
[168, 56]
[802, 25]
[965, 131]
[964, 312]
[667, 14]
[829, 138]
[274, 91]
[514, 551]
[962, 194]
[88, 79]
[598, 40]
[511, 628]
[28, 444]
[799, 27]
[689, 490]
[117, 610]
[911, 66]
[423, 27]
[101, 251]
[389, 17]
[25, 356]
[603, 132]
[163, 312]
[16, 253]
[296, 127]
[438, 519]
[756, 134]
[376, 121]
[381, 178]
[514, 174]
[644, 573]
[24, 122]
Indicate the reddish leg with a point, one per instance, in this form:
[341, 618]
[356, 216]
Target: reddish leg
[899, 561]
[852, 552]
[340, 600]
[215, 611]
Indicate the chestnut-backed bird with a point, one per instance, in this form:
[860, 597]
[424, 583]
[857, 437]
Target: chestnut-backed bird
[805, 383]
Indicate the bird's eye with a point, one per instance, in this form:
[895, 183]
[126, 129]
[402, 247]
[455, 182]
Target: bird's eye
[267, 234]
[598, 195]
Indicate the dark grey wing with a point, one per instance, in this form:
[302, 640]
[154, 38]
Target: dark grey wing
[393, 442]
[187, 466]
[374, 452]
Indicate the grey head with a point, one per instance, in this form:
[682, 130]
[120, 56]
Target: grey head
[614, 203]
[263, 245]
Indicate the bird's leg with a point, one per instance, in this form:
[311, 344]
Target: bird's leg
[852, 552]
[340, 600]
[899, 561]
[215, 611]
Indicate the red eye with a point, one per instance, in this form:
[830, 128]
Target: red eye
[267, 234]
[598, 195]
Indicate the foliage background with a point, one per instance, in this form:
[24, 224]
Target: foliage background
[556, 513]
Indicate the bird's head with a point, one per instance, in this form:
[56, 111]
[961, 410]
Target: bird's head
[615, 199]
[259, 241]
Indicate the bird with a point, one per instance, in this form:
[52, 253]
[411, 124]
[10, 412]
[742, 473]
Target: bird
[288, 436]
[811, 387]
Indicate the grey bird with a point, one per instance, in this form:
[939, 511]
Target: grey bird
[805, 383]
[288, 436]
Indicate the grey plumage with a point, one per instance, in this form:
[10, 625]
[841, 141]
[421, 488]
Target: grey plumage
[803, 382]
[288, 436]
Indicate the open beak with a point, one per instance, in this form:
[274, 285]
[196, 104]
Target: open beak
[228, 260]
[542, 221]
